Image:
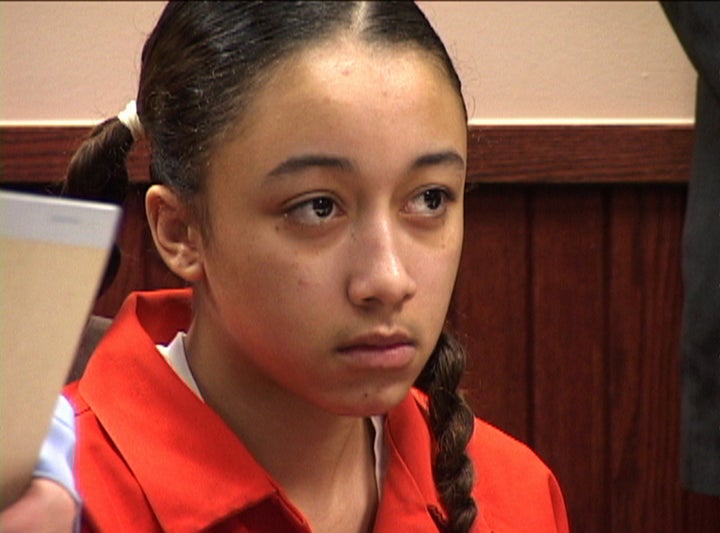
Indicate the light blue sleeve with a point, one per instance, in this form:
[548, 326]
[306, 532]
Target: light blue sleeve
[58, 451]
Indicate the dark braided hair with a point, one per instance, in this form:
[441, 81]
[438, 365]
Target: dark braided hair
[97, 171]
[451, 422]
[201, 67]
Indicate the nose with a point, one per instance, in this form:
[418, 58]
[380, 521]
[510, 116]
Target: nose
[378, 275]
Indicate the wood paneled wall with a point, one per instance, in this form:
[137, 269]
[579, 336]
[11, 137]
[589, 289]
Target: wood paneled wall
[568, 299]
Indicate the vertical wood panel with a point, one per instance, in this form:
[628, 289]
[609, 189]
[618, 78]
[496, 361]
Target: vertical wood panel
[701, 513]
[490, 307]
[645, 305]
[568, 328]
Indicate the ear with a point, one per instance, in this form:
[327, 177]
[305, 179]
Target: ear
[175, 232]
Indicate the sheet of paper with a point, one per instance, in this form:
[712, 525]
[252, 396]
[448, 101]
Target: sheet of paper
[51, 264]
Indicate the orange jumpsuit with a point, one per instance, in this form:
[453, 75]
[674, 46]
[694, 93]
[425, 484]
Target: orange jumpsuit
[152, 456]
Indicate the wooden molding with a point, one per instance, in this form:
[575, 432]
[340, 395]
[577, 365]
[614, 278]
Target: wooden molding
[40, 154]
[579, 154]
[497, 154]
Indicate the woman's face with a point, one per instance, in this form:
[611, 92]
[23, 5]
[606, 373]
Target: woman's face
[335, 227]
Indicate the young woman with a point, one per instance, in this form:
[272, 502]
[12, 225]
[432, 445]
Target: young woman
[309, 164]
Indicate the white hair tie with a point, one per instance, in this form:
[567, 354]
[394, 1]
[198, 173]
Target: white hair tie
[131, 120]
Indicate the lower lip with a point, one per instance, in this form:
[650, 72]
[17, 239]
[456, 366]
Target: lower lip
[380, 357]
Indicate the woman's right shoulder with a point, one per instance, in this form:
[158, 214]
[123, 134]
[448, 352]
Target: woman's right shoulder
[112, 498]
[72, 394]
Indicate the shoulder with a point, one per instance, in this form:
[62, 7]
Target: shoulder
[514, 487]
[490, 446]
[111, 495]
[515, 491]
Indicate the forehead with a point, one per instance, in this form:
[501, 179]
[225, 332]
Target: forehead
[350, 74]
[380, 107]
[346, 60]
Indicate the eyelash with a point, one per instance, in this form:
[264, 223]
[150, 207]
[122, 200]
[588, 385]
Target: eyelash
[439, 196]
[298, 211]
[323, 209]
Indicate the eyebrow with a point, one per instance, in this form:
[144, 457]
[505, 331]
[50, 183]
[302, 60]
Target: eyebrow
[446, 157]
[297, 164]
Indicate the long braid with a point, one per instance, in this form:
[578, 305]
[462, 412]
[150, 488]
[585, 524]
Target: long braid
[451, 423]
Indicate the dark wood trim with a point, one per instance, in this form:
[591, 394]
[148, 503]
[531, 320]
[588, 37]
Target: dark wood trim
[579, 154]
[497, 154]
[40, 154]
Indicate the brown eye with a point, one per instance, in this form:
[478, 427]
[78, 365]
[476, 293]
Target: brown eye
[430, 202]
[433, 198]
[314, 211]
[322, 207]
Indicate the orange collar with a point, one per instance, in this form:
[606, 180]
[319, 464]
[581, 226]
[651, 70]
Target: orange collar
[192, 468]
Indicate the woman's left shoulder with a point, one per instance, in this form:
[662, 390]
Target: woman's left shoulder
[492, 445]
[514, 489]
[514, 486]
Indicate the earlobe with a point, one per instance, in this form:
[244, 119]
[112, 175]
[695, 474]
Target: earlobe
[175, 232]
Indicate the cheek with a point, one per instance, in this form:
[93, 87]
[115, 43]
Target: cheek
[438, 275]
[435, 273]
[441, 275]
[290, 285]
[440, 264]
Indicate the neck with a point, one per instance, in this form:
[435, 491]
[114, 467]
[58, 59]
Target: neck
[319, 458]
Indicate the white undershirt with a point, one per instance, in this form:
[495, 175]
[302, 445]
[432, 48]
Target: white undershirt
[174, 354]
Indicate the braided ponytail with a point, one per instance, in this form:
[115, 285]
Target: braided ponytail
[97, 171]
[451, 423]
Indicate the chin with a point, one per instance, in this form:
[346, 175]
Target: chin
[376, 402]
